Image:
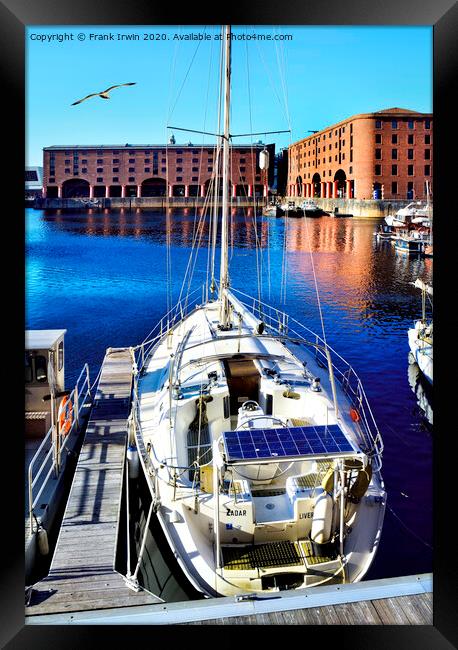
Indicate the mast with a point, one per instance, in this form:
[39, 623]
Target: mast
[224, 270]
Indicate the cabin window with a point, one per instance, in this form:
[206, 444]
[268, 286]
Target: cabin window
[226, 406]
[269, 404]
[41, 374]
[60, 356]
[28, 368]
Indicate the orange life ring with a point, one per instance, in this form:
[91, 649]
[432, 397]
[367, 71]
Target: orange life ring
[354, 415]
[65, 415]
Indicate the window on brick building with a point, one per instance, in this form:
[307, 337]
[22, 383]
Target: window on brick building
[394, 170]
[378, 154]
[131, 160]
[409, 170]
[378, 170]
[100, 169]
[115, 169]
[427, 139]
[147, 160]
[100, 179]
[427, 124]
[394, 187]
[179, 178]
[195, 169]
[84, 170]
[394, 154]
[147, 169]
[195, 178]
[209, 169]
[115, 179]
[67, 162]
[179, 160]
[131, 179]
[427, 170]
[410, 154]
[394, 138]
[195, 160]
[394, 124]
[243, 169]
[427, 154]
[131, 169]
[52, 180]
[67, 170]
[378, 124]
[350, 170]
[100, 161]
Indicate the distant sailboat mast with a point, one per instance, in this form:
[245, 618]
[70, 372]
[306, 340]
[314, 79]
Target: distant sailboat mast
[224, 271]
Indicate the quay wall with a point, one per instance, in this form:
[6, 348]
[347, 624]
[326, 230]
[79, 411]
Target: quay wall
[142, 202]
[358, 207]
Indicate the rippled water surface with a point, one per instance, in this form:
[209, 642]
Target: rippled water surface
[102, 276]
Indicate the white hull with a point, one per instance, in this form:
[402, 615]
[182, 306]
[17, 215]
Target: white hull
[271, 504]
[421, 347]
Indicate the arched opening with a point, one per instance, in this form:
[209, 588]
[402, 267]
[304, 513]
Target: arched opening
[241, 190]
[210, 185]
[153, 187]
[131, 190]
[194, 190]
[115, 191]
[316, 185]
[340, 177]
[177, 190]
[75, 188]
[51, 192]
[99, 191]
[299, 185]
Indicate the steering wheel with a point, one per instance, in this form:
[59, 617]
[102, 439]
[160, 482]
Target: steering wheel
[250, 405]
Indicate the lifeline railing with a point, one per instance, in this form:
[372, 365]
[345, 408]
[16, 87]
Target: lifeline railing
[283, 324]
[57, 442]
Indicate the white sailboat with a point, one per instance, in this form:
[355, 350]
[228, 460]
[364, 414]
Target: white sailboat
[421, 335]
[256, 439]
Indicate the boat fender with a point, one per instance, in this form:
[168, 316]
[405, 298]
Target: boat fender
[359, 487]
[322, 519]
[42, 540]
[328, 480]
[65, 415]
[133, 461]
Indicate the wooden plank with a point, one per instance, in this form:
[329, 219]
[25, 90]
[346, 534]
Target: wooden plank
[81, 576]
[390, 612]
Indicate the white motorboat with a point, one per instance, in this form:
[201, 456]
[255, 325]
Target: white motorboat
[415, 212]
[311, 209]
[256, 440]
[421, 335]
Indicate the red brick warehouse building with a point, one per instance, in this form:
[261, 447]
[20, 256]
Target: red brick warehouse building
[382, 155]
[150, 170]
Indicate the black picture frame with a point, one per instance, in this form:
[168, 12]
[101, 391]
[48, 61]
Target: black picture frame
[15, 15]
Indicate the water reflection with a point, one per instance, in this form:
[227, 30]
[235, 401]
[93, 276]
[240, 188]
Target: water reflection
[112, 266]
[422, 390]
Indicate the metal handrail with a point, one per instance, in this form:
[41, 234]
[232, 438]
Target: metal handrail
[83, 388]
[348, 379]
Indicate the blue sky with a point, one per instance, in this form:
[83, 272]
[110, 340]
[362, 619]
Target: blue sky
[321, 76]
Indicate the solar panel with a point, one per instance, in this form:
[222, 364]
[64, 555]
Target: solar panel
[287, 442]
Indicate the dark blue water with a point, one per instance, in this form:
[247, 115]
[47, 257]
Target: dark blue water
[102, 276]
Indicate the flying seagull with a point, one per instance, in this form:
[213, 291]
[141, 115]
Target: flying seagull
[104, 93]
